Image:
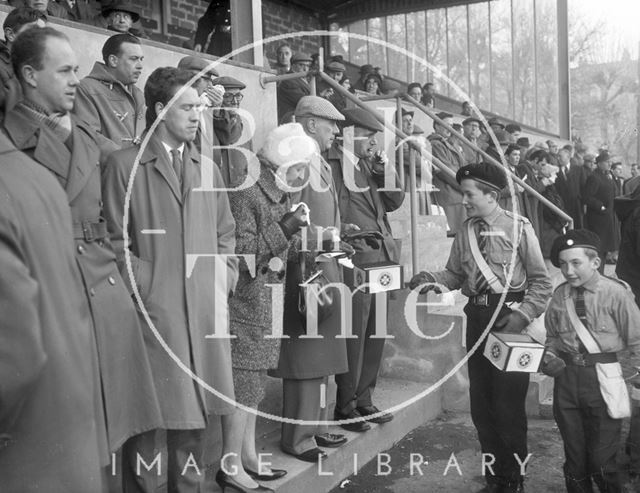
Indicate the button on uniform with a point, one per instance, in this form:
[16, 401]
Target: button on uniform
[112, 281]
[80, 249]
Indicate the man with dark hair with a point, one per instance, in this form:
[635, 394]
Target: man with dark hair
[290, 91]
[448, 194]
[16, 21]
[415, 91]
[184, 305]
[108, 99]
[42, 127]
[283, 58]
[515, 130]
[497, 398]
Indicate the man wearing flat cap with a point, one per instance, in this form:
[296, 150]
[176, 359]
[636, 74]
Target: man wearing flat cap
[471, 130]
[359, 174]
[108, 98]
[335, 70]
[448, 195]
[306, 363]
[484, 253]
[590, 319]
[290, 91]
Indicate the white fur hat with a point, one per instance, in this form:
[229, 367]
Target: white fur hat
[287, 145]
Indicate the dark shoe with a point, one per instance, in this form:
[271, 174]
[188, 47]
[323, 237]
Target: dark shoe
[491, 488]
[227, 482]
[369, 410]
[358, 426]
[330, 440]
[311, 455]
[275, 474]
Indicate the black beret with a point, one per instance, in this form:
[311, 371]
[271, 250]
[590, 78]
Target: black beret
[363, 119]
[575, 238]
[486, 173]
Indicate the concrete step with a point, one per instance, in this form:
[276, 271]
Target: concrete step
[361, 447]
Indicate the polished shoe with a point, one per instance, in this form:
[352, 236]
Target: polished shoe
[228, 484]
[330, 440]
[275, 474]
[311, 455]
[369, 410]
[358, 426]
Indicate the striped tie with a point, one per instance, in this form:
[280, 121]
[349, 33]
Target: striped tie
[481, 283]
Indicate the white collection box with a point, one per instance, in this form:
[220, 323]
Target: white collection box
[379, 276]
[514, 352]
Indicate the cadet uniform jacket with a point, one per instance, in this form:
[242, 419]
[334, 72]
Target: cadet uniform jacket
[529, 270]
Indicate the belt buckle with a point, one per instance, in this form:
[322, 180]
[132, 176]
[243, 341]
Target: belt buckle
[482, 300]
[579, 359]
[87, 231]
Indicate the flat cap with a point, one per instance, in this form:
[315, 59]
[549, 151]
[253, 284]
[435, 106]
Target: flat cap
[363, 119]
[603, 156]
[406, 112]
[486, 173]
[575, 238]
[471, 119]
[589, 157]
[301, 57]
[120, 6]
[229, 82]
[524, 142]
[335, 67]
[317, 106]
[443, 114]
[496, 121]
[502, 136]
[196, 64]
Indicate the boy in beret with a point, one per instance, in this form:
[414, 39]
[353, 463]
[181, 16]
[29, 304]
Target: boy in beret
[497, 398]
[606, 309]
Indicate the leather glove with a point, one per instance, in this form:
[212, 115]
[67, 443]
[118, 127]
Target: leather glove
[292, 222]
[552, 365]
[379, 162]
[423, 278]
[512, 323]
[371, 238]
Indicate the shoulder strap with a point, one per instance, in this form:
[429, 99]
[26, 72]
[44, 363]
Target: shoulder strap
[583, 333]
[486, 271]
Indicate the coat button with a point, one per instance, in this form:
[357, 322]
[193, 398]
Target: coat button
[92, 292]
[112, 281]
[80, 249]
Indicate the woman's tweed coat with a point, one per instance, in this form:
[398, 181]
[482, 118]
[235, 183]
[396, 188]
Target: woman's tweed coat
[257, 210]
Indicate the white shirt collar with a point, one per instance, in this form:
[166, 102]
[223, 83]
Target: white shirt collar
[169, 149]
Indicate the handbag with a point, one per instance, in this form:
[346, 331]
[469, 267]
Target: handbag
[612, 386]
[315, 300]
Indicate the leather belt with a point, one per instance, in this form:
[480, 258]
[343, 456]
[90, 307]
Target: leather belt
[491, 299]
[588, 359]
[90, 230]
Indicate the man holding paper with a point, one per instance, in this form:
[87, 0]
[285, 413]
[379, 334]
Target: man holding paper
[589, 320]
[492, 247]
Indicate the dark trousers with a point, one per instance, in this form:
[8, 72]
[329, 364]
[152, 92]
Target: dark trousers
[363, 354]
[182, 448]
[301, 401]
[591, 438]
[497, 402]
[633, 441]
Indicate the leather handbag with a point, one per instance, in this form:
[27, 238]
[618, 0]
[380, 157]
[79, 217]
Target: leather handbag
[315, 300]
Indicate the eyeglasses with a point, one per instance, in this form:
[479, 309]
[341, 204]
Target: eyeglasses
[230, 96]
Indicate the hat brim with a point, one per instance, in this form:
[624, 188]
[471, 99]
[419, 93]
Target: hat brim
[135, 17]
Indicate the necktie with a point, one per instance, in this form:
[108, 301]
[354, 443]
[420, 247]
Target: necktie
[177, 164]
[482, 285]
[581, 310]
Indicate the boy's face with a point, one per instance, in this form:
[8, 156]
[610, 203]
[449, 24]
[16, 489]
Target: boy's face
[577, 268]
[475, 201]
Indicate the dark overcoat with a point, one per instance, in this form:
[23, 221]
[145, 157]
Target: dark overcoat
[50, 422]
[313, 358]
[130, 400]
[289, 93]
[184, 298]
[571, 191]
[599, 192]
[259, 296]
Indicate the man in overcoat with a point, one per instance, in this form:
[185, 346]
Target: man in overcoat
[305, 364]
[42, 127]
[363, 203]
[599, 192]
[290, 91]
[569, 184]
[184, 297]
[108, 99]
[50, 423]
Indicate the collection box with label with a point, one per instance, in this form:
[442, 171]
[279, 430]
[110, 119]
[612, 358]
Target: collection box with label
[379, 276]
[514, 352]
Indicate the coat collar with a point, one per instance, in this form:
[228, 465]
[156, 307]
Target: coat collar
[267, 182]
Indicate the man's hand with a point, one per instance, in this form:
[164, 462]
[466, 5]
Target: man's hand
[346, 228]
[424, 278]
[552, 365]
[372, 238]
[512, 323]
[379, 162]
[215, 93]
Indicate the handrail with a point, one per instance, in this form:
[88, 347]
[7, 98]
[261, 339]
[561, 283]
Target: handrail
[554, 208]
